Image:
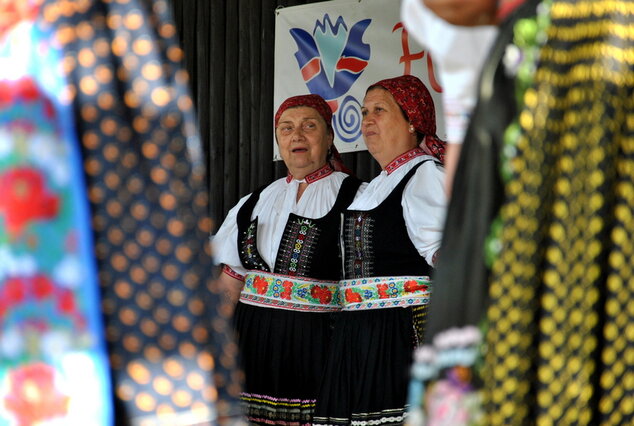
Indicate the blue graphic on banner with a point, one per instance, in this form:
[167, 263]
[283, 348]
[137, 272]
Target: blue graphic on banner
[347, 121]
[330, 61]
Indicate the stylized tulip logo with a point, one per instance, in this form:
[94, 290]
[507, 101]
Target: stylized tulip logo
[331, 60]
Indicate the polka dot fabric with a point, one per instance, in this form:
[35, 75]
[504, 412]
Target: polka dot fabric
[560, 345]
[167, 327]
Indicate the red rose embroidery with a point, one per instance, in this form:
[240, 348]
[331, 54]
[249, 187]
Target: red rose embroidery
[383, 291]
[4, 307]
[27, 89]
[14, 12]
[352, 296]
[66, 302]
[23, 198]
[321, 293]
[260, 284]
[288, 290]
[5, 91]
[14, 291]
[24, 89]
[412, 286]
[33, 396]
[42, 287]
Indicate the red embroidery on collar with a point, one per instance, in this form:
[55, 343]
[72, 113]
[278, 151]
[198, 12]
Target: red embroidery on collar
[403, 159]
[320, 173]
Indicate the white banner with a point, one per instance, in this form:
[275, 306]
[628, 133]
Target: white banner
[337, 49]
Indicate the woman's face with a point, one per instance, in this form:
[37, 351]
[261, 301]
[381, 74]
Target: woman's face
[384, 127]
[303, 140]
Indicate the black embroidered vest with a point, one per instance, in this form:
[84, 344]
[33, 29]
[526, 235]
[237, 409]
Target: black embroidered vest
[376, 243]
[309, 247]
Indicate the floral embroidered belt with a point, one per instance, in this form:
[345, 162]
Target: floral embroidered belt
[384, 292]
[292, 293]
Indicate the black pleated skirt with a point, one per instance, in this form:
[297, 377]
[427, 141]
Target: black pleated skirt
[283, 354]
[367, 372]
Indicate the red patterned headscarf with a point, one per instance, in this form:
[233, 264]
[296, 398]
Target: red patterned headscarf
[317, 103]
[416, 102]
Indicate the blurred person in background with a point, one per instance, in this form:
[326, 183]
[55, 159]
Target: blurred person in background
[532, 312]
[459, 53]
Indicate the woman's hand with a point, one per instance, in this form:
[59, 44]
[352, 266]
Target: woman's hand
[464, 12]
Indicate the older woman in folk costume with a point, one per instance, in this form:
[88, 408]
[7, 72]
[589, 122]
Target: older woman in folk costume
[278, 246]
[391, 235]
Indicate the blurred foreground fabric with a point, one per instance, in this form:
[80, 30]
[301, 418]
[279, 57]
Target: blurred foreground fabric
[531, 320]
[104, 210]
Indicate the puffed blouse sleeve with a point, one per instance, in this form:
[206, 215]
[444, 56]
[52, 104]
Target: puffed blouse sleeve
[224, 243]
[424, 205]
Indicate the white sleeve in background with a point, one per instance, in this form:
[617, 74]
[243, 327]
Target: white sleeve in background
[424, 205]
[458, 54]
[224, 244]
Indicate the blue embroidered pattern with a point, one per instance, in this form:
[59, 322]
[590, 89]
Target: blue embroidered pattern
[358, 245]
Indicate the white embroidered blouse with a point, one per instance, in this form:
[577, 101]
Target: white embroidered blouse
[424, 201]
[276, 202]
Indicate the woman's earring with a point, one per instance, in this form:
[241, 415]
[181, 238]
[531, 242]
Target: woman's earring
[329, 153]
[411, 128]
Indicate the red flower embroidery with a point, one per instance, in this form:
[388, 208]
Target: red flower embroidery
[5, 91]
[4, 307]
[42, 287]
[14, 291]
[288, 290]
[412, 286]
[14, 12]
[39, 288]
[383, 291]
[27, 89]
[23, 198]
[66, 302]
[352, 296]
[33, 397]
[24, 89]
[260, 284]
[321, 293]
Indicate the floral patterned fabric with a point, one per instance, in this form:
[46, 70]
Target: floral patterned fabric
[102, 193]
[53, 362]
[550, 180]
[289, 292]
[167, 325]
[385, 292]
[444, 390]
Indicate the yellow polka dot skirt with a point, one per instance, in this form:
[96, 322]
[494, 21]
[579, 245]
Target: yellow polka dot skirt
[560, 343]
